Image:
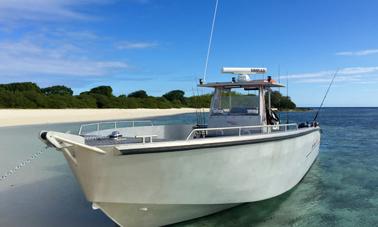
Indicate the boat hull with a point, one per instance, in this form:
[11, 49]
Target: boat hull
[152, 189]
[127, 214]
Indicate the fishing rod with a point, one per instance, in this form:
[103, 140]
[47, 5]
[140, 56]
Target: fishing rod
[287, 96]
[329, 87]
[196, 105]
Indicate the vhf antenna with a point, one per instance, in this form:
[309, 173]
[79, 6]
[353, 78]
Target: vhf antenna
[203, 80]
[329, 87]
[210, 40]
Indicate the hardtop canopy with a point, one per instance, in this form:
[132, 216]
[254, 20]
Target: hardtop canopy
[251, 84]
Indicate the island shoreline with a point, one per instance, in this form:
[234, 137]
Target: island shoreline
[21, 117]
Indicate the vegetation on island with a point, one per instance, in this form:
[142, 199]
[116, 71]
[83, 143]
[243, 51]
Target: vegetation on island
[29, 95]
[281, 102]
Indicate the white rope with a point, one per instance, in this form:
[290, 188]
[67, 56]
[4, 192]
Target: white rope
[210, 40]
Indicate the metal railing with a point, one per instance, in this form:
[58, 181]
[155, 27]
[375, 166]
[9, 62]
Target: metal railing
[98, 126]
[242, 130]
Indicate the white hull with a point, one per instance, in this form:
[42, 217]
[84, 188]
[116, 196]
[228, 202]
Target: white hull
[154, 189]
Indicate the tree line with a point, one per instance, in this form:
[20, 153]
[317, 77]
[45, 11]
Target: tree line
[29, 95]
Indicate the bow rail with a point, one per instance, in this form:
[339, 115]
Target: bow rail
[98, 126]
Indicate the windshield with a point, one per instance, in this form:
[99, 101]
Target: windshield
[235, 102]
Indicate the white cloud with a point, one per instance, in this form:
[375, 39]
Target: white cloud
[308, 75]
[358, 53]
[355, 78]
[358, 70]
[349, 74]
[44, 10]
[135, 45]
[20, 58]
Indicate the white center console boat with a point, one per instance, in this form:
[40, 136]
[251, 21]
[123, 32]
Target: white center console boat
[140, 174]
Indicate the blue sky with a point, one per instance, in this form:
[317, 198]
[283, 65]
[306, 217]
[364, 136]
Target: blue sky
[160, 45]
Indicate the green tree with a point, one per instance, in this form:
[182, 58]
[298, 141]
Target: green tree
[149, 103]
[57, 90]
[201, 101]
[138, 94]
[29, 95]
[85, 100]
[281, 102]
[102, 90]
[129, 103]
[23, 86]
[175, 95]
[163, 103]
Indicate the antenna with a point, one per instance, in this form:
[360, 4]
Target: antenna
[210, 40]
[329, 87]
[279, 77]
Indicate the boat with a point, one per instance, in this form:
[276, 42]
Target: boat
[140, 174]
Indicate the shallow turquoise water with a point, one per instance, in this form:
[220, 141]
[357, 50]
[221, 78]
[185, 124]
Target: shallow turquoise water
[341, 189]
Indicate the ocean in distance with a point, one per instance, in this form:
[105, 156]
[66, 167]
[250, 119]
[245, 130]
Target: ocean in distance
[341, 188]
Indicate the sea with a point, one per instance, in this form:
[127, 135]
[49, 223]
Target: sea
[341, 188]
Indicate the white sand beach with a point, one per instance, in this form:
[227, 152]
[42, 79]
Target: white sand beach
[13, 117]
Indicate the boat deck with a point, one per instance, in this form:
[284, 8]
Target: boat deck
[170, 133]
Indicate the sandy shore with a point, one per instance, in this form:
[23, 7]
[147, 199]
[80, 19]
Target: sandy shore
[13, 117]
